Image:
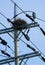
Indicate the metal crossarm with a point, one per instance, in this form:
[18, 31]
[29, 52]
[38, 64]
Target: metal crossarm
[26, 26]
[25, 56]
[6, 30]
[19, 27]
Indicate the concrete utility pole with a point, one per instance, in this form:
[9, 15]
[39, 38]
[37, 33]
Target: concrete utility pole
[15, 40]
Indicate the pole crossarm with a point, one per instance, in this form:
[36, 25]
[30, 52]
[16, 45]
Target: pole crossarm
[25, 56]
[26, 26]
[2, 31]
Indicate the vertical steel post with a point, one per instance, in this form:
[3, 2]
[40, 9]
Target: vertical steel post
[15, 40]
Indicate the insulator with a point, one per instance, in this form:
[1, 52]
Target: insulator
[10, 21]
[42, 31]
[43, 58]
[3, 41]
[8, 46]
[30, 47]
[26, 36]
[34, 15]
[29, 17]
[28, 31]
[3, 52]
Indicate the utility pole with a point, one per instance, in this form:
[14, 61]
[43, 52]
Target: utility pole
[15, 40]
[16, 57]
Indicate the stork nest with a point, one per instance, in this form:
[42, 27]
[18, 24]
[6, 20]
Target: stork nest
[19, 22]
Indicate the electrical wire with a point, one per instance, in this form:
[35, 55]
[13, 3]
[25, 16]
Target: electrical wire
[6, 28]
[41, 29]
[17, 6]
[26, 61]
[37, 48]
[21, 62]
[41, 57]
[9, 63]
[29, 46]
[5, 53]
[5, 43]
[37, 18]
[22, 34]
[40, 19]
[2, 55]
[20, 13]
[22, 40]
[27, 11]
[7, 19]
[15, 15]
[3, 15]
[0, 64]
[7, 32]
[25, 31]
[24, 11]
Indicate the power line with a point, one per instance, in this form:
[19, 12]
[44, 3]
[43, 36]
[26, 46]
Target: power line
[32, 18]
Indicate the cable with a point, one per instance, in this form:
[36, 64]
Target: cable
[22, 35]
[15, 15]
[37, 48]
[26, 36]
[29, 46]
[32, 16]
[9, 63]
[2, 55]
[11, 22]
[40, 19]
[26, 61]
[5, 43]
[41, 57]
[42, 31]
[3, 15]
[10, 48]
[26, 32]
[20, 13]
[3, 52]
[17, 6]
[6, 28]
[21, 62]
[23, 11]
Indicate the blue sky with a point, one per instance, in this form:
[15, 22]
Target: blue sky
[38, 6]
